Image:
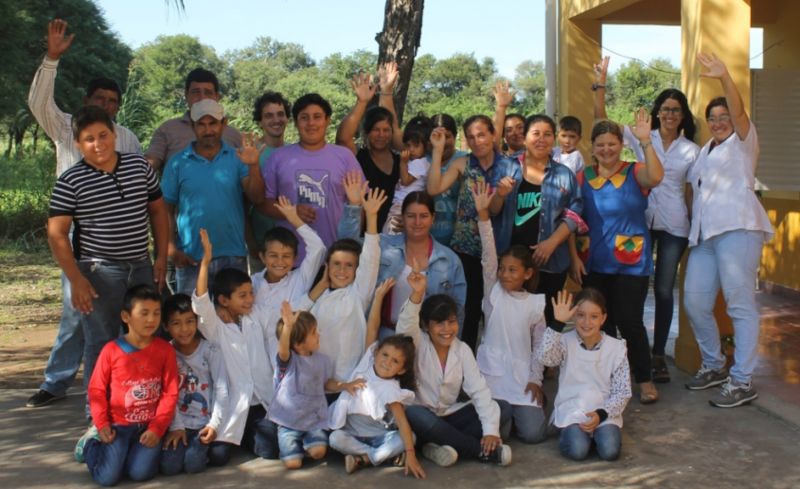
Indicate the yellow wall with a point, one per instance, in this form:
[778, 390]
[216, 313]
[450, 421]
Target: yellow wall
[780, 262]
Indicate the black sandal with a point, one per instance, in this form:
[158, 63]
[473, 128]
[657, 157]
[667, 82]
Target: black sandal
[660, 370]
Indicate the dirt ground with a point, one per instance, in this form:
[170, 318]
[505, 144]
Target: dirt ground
[30, 307]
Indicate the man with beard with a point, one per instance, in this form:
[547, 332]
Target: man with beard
[203, 187]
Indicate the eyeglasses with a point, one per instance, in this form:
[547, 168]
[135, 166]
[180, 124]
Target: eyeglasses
[670, 110]
[720, 119]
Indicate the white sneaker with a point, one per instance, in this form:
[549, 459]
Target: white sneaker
[441, 455]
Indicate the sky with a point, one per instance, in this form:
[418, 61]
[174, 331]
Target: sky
[510, 31]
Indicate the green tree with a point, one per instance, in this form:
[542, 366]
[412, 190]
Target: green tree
[636, 85]
[95, 52]
[529, 83]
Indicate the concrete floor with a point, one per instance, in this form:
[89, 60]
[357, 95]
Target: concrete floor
[679, 442]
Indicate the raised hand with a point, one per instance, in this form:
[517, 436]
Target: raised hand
[482, 195]
[384, 287]
[642, 127]
[417, 281]
[57, 40]
[562, 306]
[354, 187]
[250, 150]
[289, 317]
[289, 211]
[715, 68]
[374, 200]
[503, 95]
[438, 138]
[363, 87]
[208, 252]
[388, 75]
[601, 71]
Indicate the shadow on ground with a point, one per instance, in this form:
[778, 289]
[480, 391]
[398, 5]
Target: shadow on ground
[678, 442]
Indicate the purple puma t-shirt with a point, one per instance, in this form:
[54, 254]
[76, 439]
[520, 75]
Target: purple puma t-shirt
[314, 178]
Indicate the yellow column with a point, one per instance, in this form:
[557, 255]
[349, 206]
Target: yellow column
[721, 27]
[578, 50]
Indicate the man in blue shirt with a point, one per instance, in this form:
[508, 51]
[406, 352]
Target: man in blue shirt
[203, 187]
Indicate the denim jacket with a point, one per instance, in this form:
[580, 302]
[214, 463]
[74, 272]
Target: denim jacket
[445, 272]
[561, 202]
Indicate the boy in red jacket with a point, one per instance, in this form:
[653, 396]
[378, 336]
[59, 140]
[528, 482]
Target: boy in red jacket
[132, 395]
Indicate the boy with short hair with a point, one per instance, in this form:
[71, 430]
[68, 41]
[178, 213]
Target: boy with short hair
[569, 135]
[191, 442]
[278, 281]
[132, 395]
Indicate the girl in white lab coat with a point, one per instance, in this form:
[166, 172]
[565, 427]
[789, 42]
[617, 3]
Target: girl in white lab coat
[515, 324]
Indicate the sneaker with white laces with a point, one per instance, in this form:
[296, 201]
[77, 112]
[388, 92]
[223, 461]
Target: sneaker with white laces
[733, 395]
[441, 455]
[90, 433]
[707, 377]
[500, 456]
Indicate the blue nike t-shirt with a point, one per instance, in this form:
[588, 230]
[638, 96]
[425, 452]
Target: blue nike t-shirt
[527, 214]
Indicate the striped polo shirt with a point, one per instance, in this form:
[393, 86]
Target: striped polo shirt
[109, 210]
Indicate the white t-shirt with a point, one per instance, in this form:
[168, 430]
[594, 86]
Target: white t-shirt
[573, 161]
[418, 169]
[723, 181]
[666, 207]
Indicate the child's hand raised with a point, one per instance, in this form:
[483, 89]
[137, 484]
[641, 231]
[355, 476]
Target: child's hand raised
[438, 138]
[562, 306]
[405, 157]
[289, 211]
[384, 287]
[208, 253]
[354, 187]
[374, 200]
[289, 317]
[418, 283]
[482, 195]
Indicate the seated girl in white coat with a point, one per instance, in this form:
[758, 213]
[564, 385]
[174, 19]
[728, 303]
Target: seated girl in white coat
[345, 291]
[370, 425]
[594, 383]
[515, 325]
[237, 327]
[447, 428]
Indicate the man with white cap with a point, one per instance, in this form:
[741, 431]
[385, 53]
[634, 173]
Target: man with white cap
[203, 186]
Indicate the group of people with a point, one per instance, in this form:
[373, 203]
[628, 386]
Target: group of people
[333, 295]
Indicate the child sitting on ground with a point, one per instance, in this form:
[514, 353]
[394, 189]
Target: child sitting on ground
[370, 425]
[237, 327]
[191, 442]
[303, 375]
[132, 395]
[594, 382]
[454, 415]
[569, 135]
[514, 327]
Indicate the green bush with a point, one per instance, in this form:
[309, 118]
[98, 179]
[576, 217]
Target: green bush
[25, 186]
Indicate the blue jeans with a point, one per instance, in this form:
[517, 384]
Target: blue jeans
[669, 250]
[260, 434]
[194, 456]
[67, 353]
[377, 448]
[186, 277]
[729, 260]
[110, 280]
[124, 456]
[461, 430]
[575, 443]
[530, 424]
[294, 444]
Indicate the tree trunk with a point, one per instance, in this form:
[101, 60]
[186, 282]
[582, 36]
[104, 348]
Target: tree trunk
[399, 40]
